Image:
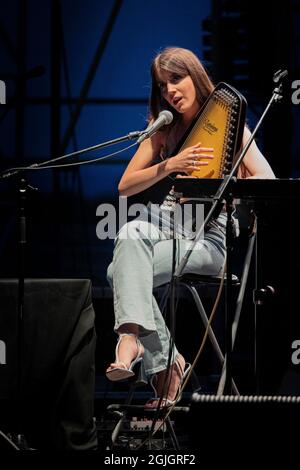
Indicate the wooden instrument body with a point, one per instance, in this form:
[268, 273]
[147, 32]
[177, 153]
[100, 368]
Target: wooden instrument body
[220, 125]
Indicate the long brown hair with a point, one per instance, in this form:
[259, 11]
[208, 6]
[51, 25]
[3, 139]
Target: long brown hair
[181, 62]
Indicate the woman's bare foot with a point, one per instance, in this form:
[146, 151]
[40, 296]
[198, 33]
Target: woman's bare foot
[167, 385]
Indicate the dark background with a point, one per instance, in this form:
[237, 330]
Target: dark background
[92, 61]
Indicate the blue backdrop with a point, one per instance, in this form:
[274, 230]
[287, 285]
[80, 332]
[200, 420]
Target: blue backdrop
[62, 37]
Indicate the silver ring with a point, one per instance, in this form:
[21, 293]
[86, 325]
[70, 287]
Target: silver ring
[194, 162]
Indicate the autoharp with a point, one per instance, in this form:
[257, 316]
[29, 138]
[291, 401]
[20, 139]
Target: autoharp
[220, 125]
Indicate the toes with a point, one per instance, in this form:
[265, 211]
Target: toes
[152, 403]
[115, 365]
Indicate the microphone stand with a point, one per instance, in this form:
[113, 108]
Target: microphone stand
[14, 171]
[23, 188]
[225, 193]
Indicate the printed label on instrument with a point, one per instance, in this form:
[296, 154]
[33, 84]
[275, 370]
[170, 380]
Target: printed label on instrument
[210, 127]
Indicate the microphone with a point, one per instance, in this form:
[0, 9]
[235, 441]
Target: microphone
[165, 117]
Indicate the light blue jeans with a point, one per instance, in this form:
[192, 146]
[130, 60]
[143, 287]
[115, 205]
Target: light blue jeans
[142, 260]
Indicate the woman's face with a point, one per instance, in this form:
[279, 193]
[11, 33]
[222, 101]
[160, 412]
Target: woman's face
[179, 92]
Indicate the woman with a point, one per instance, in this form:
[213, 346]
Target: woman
[143, 258]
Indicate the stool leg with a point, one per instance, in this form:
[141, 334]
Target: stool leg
[239, 304]
[213, 340]
[140, 380]
[204, 319]
[117, 429]
[244, 279]
[172, 434]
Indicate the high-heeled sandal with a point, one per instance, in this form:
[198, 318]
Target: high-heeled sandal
[166, 402]
[124, 372]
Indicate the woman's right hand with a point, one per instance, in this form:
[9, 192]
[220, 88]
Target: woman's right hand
[190, 159]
